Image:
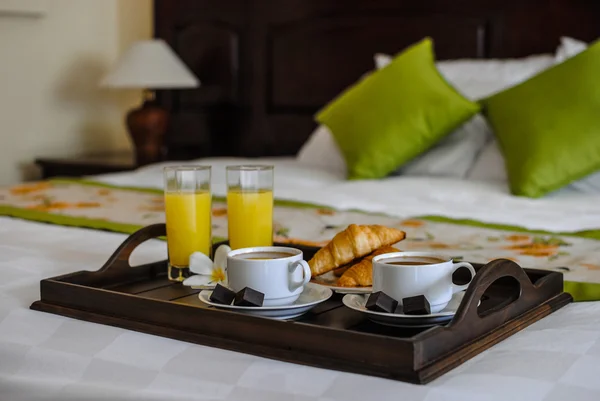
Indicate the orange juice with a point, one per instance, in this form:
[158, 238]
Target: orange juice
[250, 218]
[188, 216]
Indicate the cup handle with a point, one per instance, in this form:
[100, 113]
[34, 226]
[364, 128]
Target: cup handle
[294, 285]
[458, 288]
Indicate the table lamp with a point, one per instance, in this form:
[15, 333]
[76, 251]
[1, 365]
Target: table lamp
[151, 65]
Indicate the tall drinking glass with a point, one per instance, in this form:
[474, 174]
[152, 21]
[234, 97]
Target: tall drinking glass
[188, 216]
[250, 206]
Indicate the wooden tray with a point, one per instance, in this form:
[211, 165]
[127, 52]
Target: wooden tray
[330, 336]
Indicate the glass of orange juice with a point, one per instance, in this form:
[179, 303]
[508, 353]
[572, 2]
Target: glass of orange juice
[188, 216]
[250, 206]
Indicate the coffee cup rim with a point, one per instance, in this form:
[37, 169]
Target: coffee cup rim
[379, 258]
[264, 249]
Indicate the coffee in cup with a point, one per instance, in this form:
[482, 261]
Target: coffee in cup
[417, 261]
[280, 273]
[264, 255]
[408, 274]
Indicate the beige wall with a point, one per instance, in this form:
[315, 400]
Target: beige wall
[50, 103]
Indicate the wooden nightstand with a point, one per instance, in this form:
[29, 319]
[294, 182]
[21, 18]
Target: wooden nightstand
[91, 164]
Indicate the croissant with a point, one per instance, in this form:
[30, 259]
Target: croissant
[361, 274]
[354, 242]
[342, 269]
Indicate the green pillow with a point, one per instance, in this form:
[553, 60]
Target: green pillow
[395, 113]
[548, 127]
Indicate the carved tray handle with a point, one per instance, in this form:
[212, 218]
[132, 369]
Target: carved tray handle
[528, 296]
[120, 257]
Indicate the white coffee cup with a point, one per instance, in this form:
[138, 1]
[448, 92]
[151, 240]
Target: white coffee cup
[282, 279]
[408, 274]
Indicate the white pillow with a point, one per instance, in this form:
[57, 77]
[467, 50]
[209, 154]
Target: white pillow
[453, 156]
[589, 184]
[489, 166]
[322, 151]
[477, 79]
[568, 48]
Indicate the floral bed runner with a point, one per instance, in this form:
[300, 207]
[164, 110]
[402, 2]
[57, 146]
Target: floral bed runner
[94, 205]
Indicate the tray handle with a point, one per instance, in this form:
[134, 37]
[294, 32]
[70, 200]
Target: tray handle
[120, 257]
[527, 297]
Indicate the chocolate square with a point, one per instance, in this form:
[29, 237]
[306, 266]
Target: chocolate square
[222, 295]
[381, 302]
[418, 305]
[249, 297]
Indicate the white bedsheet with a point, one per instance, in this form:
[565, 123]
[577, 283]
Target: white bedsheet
[491, 202]
[48, 357]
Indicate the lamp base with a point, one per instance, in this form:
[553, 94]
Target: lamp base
[147, 126]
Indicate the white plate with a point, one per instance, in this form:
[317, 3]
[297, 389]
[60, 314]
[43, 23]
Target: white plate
[312, 295]
[358, 301]
[329, 280]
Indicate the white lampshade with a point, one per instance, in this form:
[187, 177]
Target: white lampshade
[150, 64]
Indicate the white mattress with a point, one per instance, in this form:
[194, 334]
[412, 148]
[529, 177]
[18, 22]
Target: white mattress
[47, 357]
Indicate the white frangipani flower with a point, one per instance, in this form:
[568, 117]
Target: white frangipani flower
[208, 273]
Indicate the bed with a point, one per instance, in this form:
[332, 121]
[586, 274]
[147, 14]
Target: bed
[267, 67]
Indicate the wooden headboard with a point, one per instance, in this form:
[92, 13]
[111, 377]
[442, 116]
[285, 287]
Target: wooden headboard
[267, 66]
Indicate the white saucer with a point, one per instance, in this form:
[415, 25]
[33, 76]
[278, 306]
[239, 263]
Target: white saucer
[329, 280]
[312, 295]
[358, 301]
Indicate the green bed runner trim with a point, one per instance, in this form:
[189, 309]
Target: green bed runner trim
[580, 291]
[79, 222]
